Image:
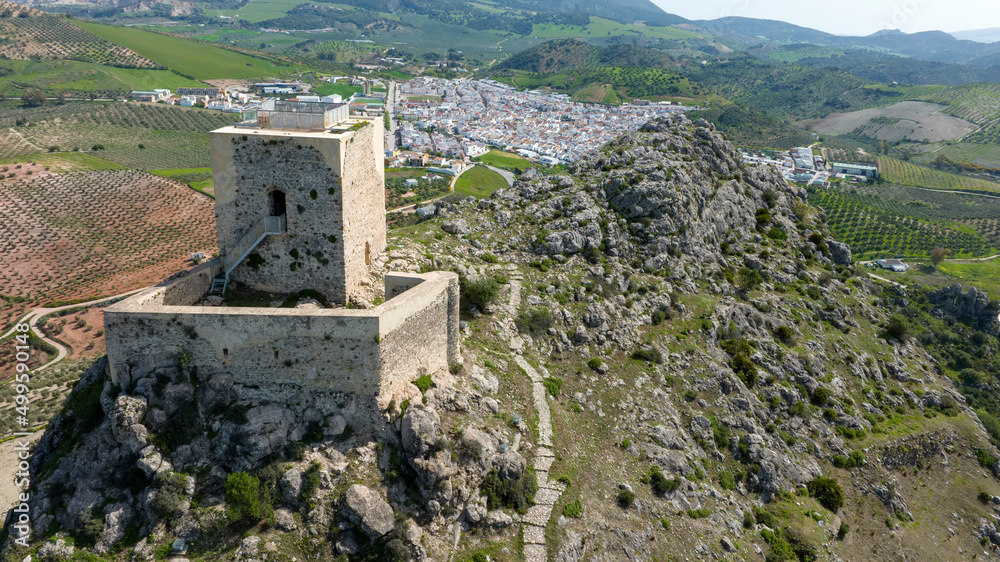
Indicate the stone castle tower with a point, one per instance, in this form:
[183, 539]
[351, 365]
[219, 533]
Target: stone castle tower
[300, 205]
[310, 164]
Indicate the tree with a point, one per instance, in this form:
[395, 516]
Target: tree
[748, 279]
[33, 98]
[938, 254]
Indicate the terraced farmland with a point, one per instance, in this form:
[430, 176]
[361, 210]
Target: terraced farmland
[139, 136]
[26, 33]
[13, 144]
[978, 102]
[904, 173]
[72, 236]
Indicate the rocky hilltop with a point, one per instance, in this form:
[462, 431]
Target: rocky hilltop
[666, 356]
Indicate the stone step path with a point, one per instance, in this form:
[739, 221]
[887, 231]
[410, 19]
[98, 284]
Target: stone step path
[549, 491]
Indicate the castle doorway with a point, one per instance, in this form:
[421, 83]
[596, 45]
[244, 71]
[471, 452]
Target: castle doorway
[277, 203]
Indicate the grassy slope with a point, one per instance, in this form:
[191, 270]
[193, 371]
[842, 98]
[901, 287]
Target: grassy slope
[502, 159]
[479, 181]
[84, 76]
[187, 57]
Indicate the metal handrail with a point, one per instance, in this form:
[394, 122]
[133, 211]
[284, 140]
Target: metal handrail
[250, 240]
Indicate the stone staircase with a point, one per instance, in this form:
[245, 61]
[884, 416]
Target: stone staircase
[227, 262]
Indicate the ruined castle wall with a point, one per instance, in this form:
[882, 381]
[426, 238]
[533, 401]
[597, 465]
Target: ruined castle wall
[249, 165]
[370, 352]
[415, 340]
[364, 205]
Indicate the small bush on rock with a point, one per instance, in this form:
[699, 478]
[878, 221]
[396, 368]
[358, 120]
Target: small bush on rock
[827, 492]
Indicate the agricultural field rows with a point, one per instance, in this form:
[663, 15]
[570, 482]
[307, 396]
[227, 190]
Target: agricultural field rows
[978, 102]
[33, 34]
[77, 235]
[877, 227]
[139, 136]
[904, 173]
[13, 144]
[145, 116]
[192, 58]
[794, 53]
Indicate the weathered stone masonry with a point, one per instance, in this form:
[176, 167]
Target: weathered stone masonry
[332, 190]
[373, 352]
[329, 184]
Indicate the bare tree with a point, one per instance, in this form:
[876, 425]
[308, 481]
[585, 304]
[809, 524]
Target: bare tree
[938, 254]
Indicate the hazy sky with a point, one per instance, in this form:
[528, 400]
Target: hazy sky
[850, 17]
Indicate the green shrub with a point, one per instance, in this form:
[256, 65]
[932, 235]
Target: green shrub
[553, 385]
[594, 363]
[535, 321]
[785, 335]
[748, 279]
[169, 492]
[245, 499]
[480, 292]
[985, 457]
[651, 355]
[660, 483]
[797, 409]
[658, 317]
[517, 494]
[765, 517]
[745, 369]
[748, 520]
[573, 509]
[777, 234]
[490, 258]
[90, 525]
[726, 480]
[827, 492]
[984, 497]
[843, 530]
[310, 482]
[625, 498]
[424, 383]
[855, 459]
[699, 513]
[820, 396]
[898, 327]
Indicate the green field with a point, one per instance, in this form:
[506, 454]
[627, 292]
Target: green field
[75, 76]
[479, 182]
[905, 173]
[343, 89]
[259, 10]
[66, 162]
[600, 27]
[502, 159]
[200, 179]
[199, 60]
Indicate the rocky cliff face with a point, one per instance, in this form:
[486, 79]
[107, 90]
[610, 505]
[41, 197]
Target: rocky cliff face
[665, 355]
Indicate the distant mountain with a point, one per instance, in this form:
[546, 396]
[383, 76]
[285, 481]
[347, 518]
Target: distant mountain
[563, 54]
[771, 29]
[880, 67]
[926, 45]
[625, 11]
[990, 35]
